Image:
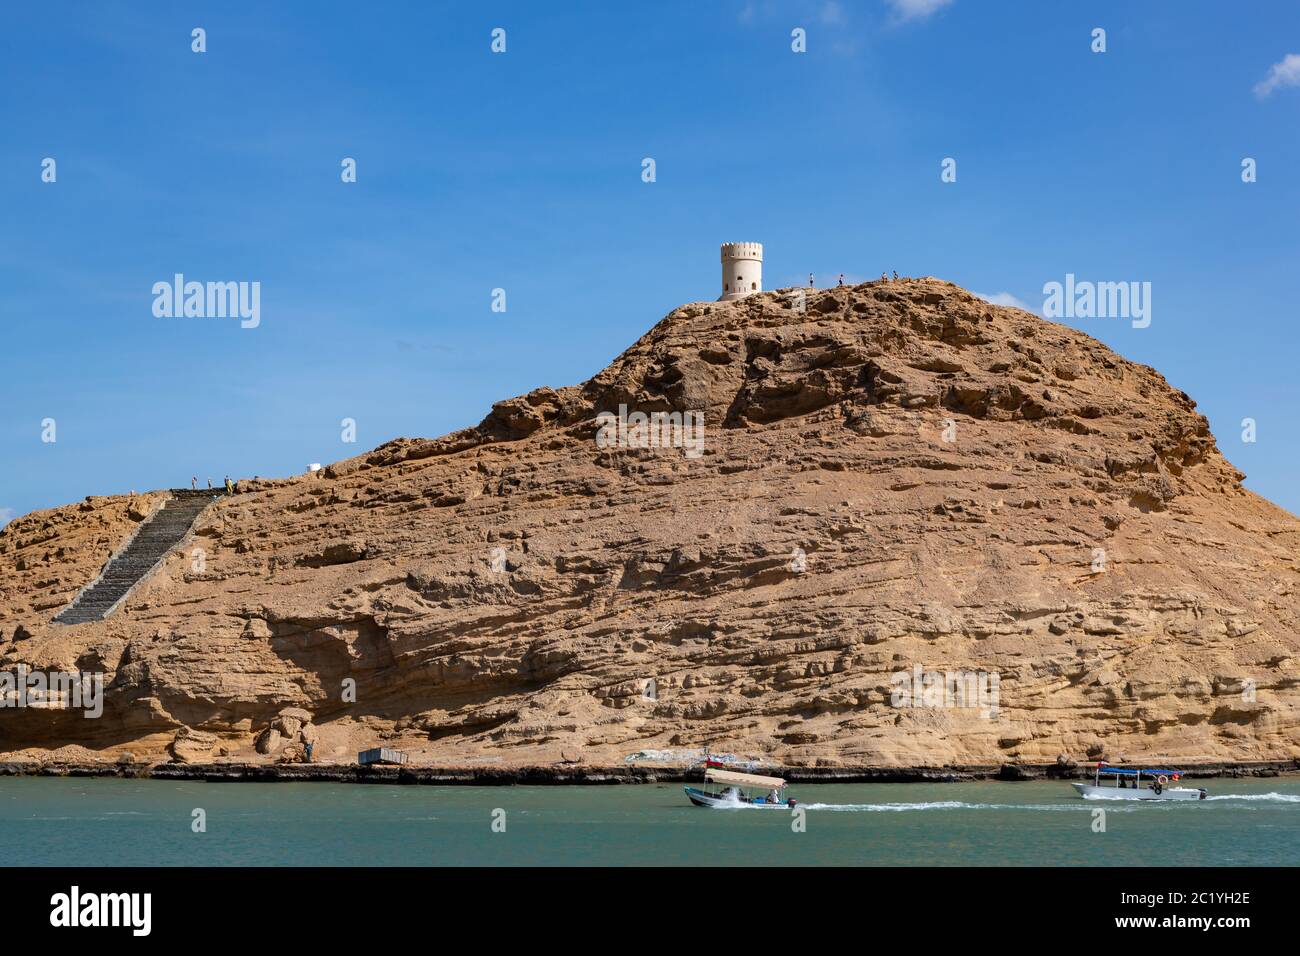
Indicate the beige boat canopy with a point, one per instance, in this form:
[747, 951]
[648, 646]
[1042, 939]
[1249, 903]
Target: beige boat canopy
[713, 775]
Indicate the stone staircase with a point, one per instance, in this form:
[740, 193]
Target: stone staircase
[137, 558]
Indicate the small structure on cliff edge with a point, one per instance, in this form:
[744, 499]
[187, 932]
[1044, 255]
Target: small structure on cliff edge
[742, 270]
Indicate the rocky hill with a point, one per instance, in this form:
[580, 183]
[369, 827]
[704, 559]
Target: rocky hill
[896, 475]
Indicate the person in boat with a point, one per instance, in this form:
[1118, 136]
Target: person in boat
[774, 797]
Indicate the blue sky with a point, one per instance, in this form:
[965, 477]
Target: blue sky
[522, 171]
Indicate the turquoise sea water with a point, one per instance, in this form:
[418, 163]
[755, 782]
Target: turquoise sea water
[86, 822]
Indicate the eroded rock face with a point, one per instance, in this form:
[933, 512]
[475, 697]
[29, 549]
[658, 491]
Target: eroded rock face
[192, 746]
[900, 476]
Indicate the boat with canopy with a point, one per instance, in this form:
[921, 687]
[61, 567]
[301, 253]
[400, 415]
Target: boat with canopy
[728, 789]
[1132, 783]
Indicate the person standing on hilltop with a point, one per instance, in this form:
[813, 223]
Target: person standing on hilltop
[841, 279]
[230, 487]
[810, 281]
[895, 275]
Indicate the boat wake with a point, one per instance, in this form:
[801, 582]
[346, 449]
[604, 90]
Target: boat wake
[1074, 805]
[1275, 797]
[935, 805]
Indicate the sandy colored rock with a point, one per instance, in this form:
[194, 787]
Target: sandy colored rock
[269, 740]
[290, 721]
[192, 746]
[901, 475]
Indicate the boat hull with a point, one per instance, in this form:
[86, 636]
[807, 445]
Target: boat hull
[1092, 792]
[702, 799]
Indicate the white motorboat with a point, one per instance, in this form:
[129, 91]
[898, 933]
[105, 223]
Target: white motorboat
[736, 791]
[1131, 783]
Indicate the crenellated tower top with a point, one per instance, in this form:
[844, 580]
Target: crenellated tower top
[742, 270]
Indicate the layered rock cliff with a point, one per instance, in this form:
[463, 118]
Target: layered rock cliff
[896, 474]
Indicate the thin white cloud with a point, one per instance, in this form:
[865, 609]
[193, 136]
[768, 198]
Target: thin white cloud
[916, 9]
[6, 515]
[1006, 298]
[832, 13]
[754, 9]
[1284, 73]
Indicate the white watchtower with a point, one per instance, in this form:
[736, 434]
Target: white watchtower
[742, 270]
